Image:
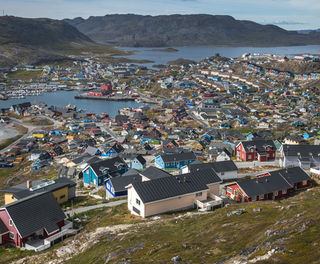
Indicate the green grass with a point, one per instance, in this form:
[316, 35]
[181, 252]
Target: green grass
[10, 254]
[213, 237]
[24, 75]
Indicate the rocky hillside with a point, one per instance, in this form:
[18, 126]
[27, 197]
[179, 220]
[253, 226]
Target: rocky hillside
[186, 30]
[285, 231]
[38, 32]
[43, 41]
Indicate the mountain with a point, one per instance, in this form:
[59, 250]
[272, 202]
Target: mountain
[186, 30]
[40, 32]
[41, 41]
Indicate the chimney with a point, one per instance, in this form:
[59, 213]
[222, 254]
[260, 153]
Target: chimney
[29, 184]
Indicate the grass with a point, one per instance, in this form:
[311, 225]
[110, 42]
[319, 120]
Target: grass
[9, 254]
[214, 236]
[81, 201]
[24, 75]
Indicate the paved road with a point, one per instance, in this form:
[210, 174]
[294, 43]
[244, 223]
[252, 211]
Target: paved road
[192, 115]
[92, 207]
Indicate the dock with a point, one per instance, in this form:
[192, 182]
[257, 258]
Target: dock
[105, 98]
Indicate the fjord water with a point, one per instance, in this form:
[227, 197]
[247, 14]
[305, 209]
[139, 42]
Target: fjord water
[63, 98]
[199, 53]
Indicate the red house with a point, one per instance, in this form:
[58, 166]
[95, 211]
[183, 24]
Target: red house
[270, 186]
[34, 222]
[261, 150]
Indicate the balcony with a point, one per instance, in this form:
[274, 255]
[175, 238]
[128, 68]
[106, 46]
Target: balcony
[210, 203]
[38, 244]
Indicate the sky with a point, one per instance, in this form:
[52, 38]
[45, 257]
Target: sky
[288, 14]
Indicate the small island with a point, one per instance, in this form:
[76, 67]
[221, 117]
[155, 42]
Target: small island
[166, 50]
[180, 61]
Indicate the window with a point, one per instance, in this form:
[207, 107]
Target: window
[138, 201]
[261, 197]
[10, 222]
[11, 235]
[222, 173]
[198, 194]
[229, 190]
[249, 156]
[62, 196]
[276, 193]
[304, 182]
[284, 191]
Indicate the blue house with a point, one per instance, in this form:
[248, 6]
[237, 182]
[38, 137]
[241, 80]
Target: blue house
[138, 163]
[116, 187]
[113, 151]
[174, 161]
[98, 172]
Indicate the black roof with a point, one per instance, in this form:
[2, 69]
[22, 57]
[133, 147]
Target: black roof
[141, 159]
[21, 191]
[292, 175]
[153, 173]
[301, 150]
[168, 187]
[39, 211]
[3, 228]
[220, 166]
[263, 185]
[131, 172]
[85, 157]
[112, 165]
[178, 156]
[259, 144]
[119, 183]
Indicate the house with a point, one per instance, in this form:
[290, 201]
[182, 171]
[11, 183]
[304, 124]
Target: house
[39, 134]
[138, 162]
[304, 156]
[168, 194]
[270, 186]
[218, 154]
[116, 187]
[224, 169]
[34, 222]
[261, 150]
[112, 151]
[62, 189]
[291, 140]
[152, 173]
[98, 172]
[174, 161]
[67, 172]
[21, 109]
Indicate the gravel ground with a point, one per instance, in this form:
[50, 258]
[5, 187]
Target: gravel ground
[6, 132]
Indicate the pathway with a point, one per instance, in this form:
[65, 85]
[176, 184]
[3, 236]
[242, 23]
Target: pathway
[92, 207]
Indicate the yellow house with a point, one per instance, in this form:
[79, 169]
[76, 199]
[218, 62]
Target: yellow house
[173, 193]
[62, 189]
[39, 134]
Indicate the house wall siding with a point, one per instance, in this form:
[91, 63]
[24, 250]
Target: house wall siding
[174, 204]
[8, 198]
[5, 219]
[61, 195]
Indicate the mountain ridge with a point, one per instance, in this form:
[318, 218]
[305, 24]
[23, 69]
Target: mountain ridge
[186, 30]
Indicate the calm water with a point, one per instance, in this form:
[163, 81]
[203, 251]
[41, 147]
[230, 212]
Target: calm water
[63, 98]
[199, 53]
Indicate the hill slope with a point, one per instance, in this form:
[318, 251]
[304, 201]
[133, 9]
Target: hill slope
[186, 30]
[42, 41]
[38, 32]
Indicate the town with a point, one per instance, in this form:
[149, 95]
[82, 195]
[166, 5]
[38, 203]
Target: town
[209, 136]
